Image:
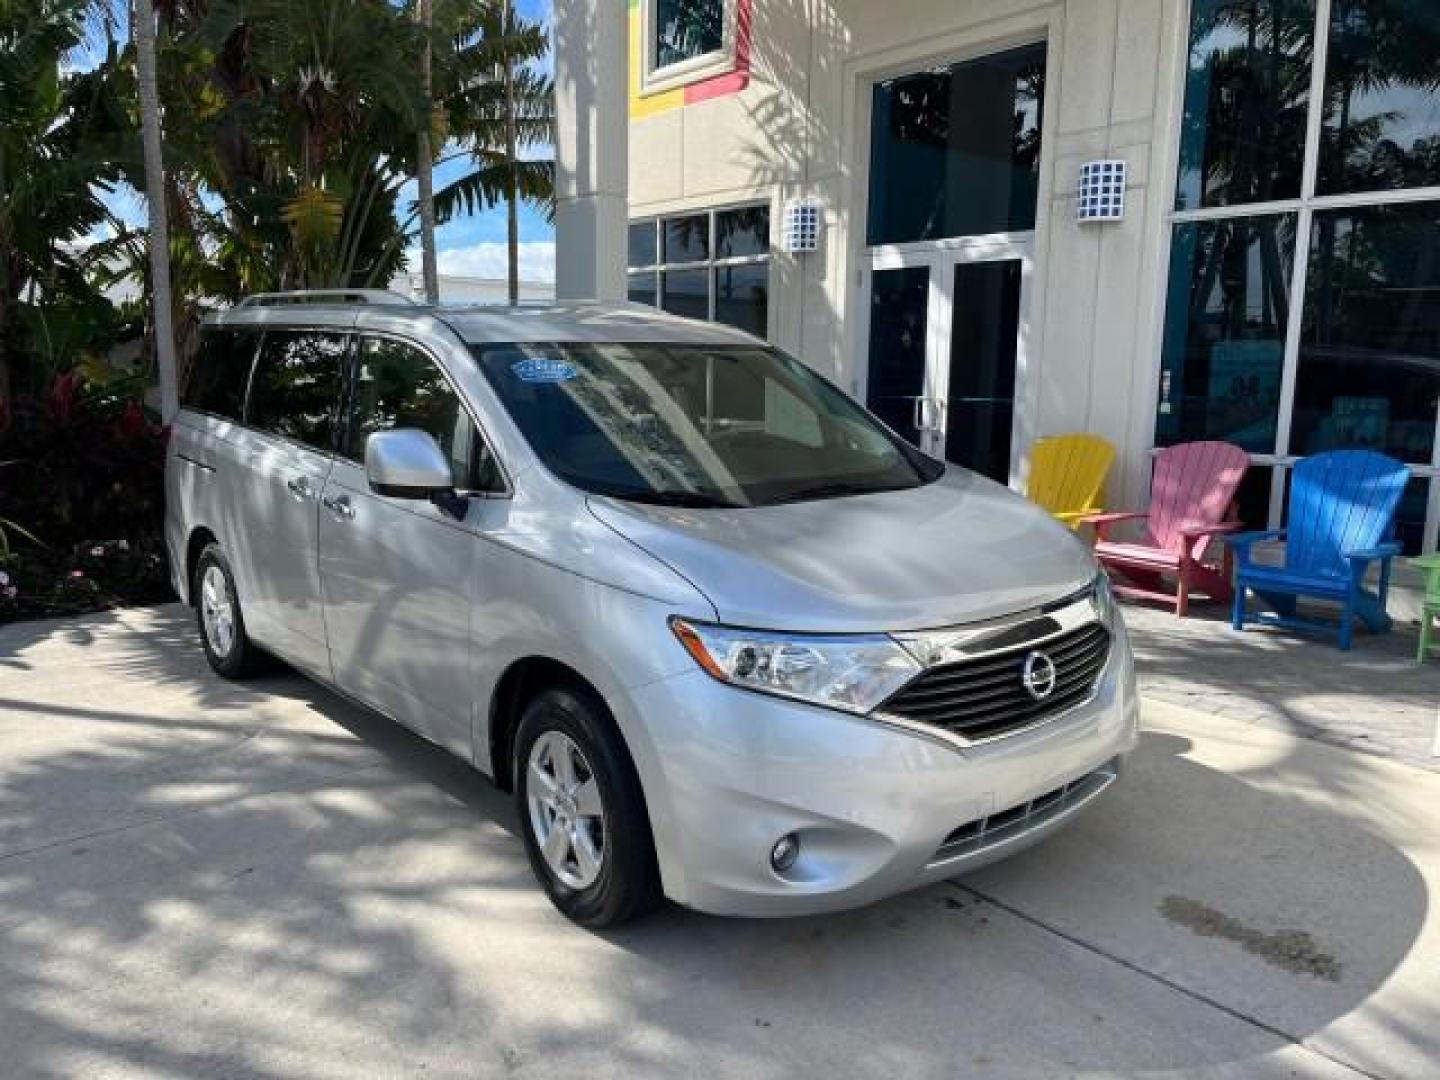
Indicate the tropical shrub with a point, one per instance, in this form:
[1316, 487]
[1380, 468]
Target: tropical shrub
[82, 499]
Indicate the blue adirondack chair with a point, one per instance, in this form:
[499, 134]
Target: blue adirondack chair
[1342, 519]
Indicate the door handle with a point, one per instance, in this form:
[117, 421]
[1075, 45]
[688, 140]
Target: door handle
[917, 416]
[300, 487]
[339, 505]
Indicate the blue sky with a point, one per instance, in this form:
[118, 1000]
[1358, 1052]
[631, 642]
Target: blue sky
[472, 246]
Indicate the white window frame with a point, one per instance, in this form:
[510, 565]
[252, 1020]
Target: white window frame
[1304, 208]
[712, 263]
[656, 80]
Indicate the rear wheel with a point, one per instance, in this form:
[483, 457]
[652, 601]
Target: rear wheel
[221, 622]
[581, 811]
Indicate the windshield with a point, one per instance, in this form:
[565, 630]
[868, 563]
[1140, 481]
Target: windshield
[696, 425]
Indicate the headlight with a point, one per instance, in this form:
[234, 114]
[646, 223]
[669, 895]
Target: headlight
[1103, 597]
[850, 672]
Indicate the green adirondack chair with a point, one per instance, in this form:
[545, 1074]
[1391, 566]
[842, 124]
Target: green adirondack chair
[1429, 566]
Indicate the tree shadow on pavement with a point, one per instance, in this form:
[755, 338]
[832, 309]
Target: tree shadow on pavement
[267, 881]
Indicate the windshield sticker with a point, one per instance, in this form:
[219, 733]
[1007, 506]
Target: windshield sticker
[543, 371]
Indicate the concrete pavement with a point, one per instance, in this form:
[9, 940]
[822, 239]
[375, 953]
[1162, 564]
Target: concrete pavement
[203, 879]
[1375, 699]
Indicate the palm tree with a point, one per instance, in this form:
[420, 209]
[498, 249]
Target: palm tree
[161, 297]
[425, 160]
[501, 110]
[63, 136]
[296, 128]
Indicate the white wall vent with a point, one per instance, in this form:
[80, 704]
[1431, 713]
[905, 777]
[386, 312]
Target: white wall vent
[804, 219]
[1101, 196]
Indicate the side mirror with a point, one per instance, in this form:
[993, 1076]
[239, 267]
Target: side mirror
[407, 464]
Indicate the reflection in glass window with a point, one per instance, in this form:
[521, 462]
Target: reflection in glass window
[642, 244]
[687, 239]
[398, 386]
[744, 231]
[686, 292]
[220, 371]
[742, 297]
[1382, 96]
[296, 386]
[1246, 95]
[1224, 349]
[642, 288]
[687, 29]
[695, 425]
[956, 151]
[729, 282]
[1370, 348]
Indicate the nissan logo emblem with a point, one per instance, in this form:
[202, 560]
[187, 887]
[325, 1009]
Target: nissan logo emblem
[1038, 675]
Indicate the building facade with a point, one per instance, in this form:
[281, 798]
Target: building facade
[1272, 278]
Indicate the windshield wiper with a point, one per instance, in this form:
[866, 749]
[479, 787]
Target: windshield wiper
[836, 491]
[691, 499]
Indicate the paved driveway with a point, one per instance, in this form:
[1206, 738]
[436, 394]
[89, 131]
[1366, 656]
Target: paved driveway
[199, 879]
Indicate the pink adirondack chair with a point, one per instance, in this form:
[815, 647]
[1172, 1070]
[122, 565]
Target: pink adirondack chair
[1191, 498]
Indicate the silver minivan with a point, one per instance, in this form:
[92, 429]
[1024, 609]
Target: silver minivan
[726, 637]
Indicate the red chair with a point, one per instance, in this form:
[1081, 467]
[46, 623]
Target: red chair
[1191, 502]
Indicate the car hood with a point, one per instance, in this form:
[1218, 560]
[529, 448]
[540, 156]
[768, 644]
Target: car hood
[958, 550]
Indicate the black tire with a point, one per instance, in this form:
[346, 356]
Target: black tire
[243, 659]
[628, 884]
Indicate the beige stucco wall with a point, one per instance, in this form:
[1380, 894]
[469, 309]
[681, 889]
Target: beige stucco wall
[801, 128]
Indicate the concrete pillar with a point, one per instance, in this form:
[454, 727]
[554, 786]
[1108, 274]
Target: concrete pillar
[591, 136]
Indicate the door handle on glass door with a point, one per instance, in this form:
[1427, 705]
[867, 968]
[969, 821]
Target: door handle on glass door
[299, 487]
[339, 505]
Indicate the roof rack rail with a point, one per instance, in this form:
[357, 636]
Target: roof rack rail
[317, 296]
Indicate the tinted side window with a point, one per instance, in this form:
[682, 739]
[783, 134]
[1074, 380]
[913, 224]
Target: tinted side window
[296, 385]
[398, 386]
[219, 372]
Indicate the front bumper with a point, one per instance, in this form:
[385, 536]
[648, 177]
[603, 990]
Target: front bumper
[878, 809]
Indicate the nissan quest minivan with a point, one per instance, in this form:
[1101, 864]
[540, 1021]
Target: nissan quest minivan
[726, 637]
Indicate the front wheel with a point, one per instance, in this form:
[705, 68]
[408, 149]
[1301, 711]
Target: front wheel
[582, 812]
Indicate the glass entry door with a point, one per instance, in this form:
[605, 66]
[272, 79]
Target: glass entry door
[946, 356]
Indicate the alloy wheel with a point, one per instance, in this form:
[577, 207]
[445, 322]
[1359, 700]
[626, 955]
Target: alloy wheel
[217, 611]
[566, 810]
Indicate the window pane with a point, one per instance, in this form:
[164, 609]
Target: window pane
[642, 289]
[1382, 96]
[1224, 348]
[1246, 96]
[398, 386]
[742, 297]
[220, 371]
[296, 386]
[742, 232]
[642, 244]
[687, 239]
[1410, 515]
[686, 292]
[1370, 348]
[956, 151]
[685, 29]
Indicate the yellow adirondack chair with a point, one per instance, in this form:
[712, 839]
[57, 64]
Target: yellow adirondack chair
[1067, 475]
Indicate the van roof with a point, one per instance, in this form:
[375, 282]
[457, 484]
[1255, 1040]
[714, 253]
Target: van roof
[497, 323]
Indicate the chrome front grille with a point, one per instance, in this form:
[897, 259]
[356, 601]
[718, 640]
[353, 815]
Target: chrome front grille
[988, 696]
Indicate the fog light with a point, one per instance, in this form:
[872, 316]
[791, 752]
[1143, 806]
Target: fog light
[785, 852]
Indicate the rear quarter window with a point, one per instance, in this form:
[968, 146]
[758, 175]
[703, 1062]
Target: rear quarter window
[219, 372]
[295, 391]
